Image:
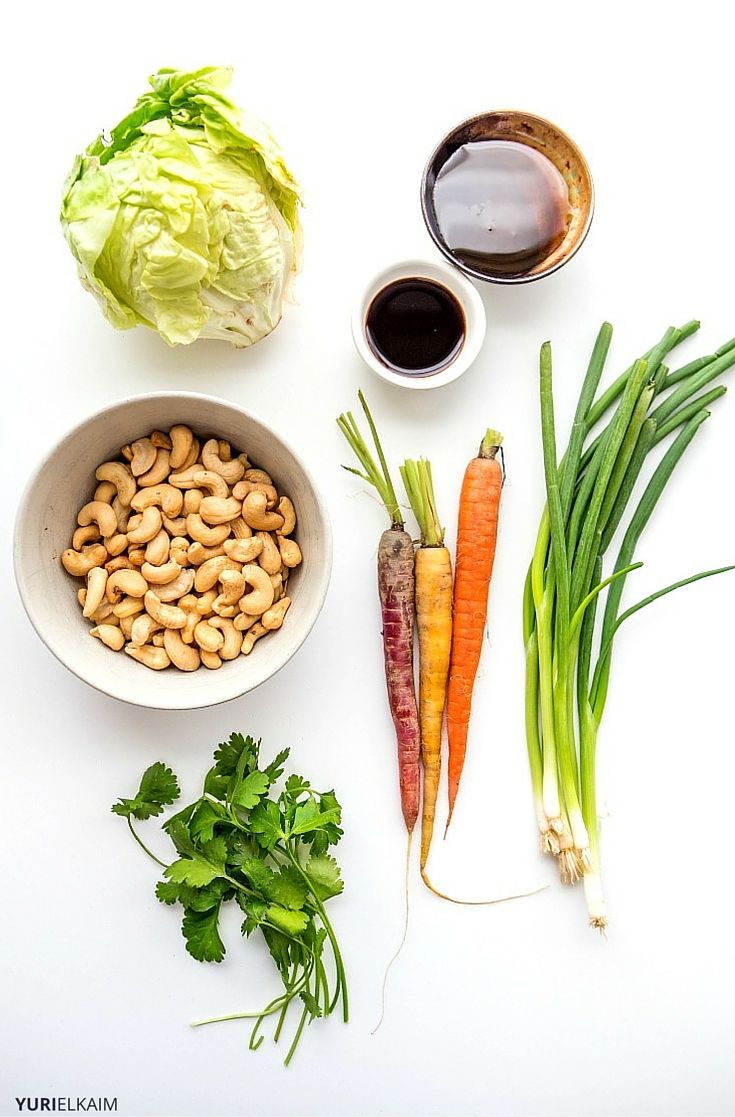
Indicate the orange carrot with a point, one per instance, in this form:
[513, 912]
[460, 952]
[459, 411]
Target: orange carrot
[476, 539]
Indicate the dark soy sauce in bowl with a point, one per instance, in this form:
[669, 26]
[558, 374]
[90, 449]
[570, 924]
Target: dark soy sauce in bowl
[415, 326]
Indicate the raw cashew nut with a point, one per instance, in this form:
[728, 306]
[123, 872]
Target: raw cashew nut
[152, 657]
[290, 551]
[156, 553]
[240, 529]
[136, 556]
[273, 617]
[104, 615]
[270, 557]
[168, 498]
[181, 442]
[160, 575]
[184, 478]
[96, 583]
[233, 587]
[258, 475]
[126, 626]
[84, 535]
[128, 608]
[116, 544]
[79, 563]
[150, 525]
[127, 453]
[242, 621]
[179, 587]
[205, 602]
[181, 654]
[243, 550]
[101, 514]
[128, 582]
[199, 554]
[220, 510]
[261, 595]
[287, 510]
[179, 551]
[209, 572]
[254, 513]
[207, 637]
[161, 440]
[225, 450]
[244, 488]
[120, 475]
[192, 499]
[110, 635]
[230, 471]
[193, 456]
[251, 636]
[210, 660]
[158, 471]
[216, 485]
[175, 528]
[202, 533]
[121, 562]
[144, 455]
[170, 616]
[122, 512]
[143, 629]
[232, 638]
[105, 492]
[189, 604]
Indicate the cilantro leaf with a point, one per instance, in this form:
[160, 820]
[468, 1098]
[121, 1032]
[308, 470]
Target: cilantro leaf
[254, 913]
[311, 1003]
[192, 870]
[158, 788]
[216, 784]
[248, 792]
[167, 892]
[259, 875]
[323, 873]
[230, 753]
[295, 785]
[240, 848]
[202, 867]
[290, 922]
[274, 770]
[265, 823]
[310, 817]
[204, 819]
[288, 888]
[201, 932]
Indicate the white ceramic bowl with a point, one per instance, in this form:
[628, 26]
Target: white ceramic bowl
[464, 291]
[46, 519]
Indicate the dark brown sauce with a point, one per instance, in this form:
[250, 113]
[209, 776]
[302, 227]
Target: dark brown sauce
[502, 207]
[415, 326]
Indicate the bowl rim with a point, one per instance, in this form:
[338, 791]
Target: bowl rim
[458, 285]
[447, 252]
[321, 587]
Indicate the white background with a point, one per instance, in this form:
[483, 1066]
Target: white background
[515, 1009]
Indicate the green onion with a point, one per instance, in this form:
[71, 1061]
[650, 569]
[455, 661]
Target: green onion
[588, 494]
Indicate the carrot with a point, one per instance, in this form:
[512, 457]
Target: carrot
[433, 570]
[396, 590]
[476, 540]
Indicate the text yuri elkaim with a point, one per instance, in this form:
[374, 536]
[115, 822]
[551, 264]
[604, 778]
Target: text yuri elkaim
[67, 1105]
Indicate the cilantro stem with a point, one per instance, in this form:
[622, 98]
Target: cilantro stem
[297, 1037]
[338, 962]
[144, 847]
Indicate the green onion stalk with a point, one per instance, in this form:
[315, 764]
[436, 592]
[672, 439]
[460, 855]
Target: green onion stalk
[589, 493]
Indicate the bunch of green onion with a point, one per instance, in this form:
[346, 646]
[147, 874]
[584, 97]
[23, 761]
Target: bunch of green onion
[588, 493]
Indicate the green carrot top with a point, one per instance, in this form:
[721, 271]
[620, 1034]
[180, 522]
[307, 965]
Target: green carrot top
[375, 474]
[419, 487]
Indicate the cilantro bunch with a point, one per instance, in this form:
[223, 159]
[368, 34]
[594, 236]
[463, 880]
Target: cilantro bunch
[267, 851]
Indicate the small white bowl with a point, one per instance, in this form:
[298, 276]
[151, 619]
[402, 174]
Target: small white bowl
[463, 290]
[46, 519]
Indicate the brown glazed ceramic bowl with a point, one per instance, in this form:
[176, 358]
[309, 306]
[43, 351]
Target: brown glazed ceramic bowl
[525, 128]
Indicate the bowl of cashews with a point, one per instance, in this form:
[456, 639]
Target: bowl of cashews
[186, 538]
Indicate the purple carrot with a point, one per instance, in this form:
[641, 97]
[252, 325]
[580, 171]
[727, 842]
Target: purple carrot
[396, 589]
